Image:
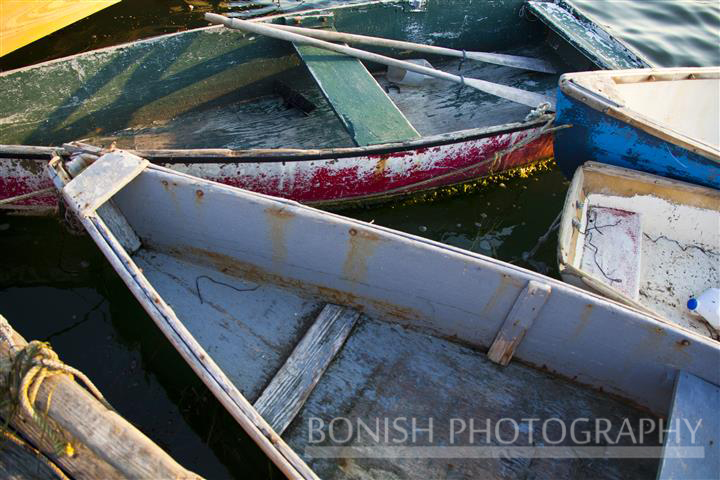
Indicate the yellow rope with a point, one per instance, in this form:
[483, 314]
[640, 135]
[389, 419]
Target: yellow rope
[30, 367]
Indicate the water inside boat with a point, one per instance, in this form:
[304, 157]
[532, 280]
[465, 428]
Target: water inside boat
[217, 87]
[433, 108]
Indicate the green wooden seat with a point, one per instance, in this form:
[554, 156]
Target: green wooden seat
[363, 107]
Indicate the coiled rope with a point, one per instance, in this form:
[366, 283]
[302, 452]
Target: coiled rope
[29, 367]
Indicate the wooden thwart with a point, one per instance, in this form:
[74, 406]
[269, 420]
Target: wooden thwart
[287, 392]
[584, 37]
[365, 110]
[102, 180]
[516, 324]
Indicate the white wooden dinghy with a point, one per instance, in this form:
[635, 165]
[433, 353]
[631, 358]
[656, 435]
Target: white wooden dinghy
[295, 317]
[647, 241]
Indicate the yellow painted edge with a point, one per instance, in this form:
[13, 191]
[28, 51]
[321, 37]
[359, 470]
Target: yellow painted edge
[24, 21]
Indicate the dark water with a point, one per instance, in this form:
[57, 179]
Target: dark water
[57, 287]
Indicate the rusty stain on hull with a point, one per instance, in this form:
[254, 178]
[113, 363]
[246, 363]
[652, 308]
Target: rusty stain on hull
[362, 244]
[279, 218]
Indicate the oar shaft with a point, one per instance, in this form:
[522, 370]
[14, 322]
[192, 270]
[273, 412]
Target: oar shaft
[514, 61]
[510, 93]
[261, 29]
[332, 36]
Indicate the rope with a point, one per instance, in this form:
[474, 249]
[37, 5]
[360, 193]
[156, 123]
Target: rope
[538, 112]
[462, 60]
[30, 366]
[25, 196]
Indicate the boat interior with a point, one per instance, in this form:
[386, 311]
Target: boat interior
[702, 123]
[314, 316]
[216, 87]
[253, 323]
[652, 240]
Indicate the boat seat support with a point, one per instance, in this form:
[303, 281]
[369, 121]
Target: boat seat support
[521, 317]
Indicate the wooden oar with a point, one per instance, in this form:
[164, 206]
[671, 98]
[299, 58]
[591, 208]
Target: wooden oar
[515, 61]
[514, 94]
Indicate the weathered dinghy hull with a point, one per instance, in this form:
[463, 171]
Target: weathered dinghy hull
[331, 178]
[646, 241]
[295, 317]
[663, 121]
[207, 102]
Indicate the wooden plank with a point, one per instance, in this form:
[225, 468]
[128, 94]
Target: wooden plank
[119, 226]
[289, 389]
[696, 404]
[361, 105]
[19, 460]
[522, 315]
[102, 180]
[24, 21]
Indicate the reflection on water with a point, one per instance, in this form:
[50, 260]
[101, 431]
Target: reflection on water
[670, 33]
[58, 287]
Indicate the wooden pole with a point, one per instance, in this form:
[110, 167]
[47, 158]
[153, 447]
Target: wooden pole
[20, 460]
[105, 444]
[510, 93]
[515, 61]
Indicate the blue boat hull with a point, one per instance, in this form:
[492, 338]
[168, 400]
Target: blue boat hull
[599, 137]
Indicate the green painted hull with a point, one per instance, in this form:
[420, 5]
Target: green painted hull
[114, 88]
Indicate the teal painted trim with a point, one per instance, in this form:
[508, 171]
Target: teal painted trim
[600, 47]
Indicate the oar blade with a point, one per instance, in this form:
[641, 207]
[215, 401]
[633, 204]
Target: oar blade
[531, 99]
[515, 61]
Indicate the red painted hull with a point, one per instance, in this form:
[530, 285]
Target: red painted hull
[336, 179]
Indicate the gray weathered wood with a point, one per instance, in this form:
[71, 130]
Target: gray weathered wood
[118, 224]
[696, 404]
[102, 180]
[516, 324]
[284, 397]
[19, 461]
[106, 445]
